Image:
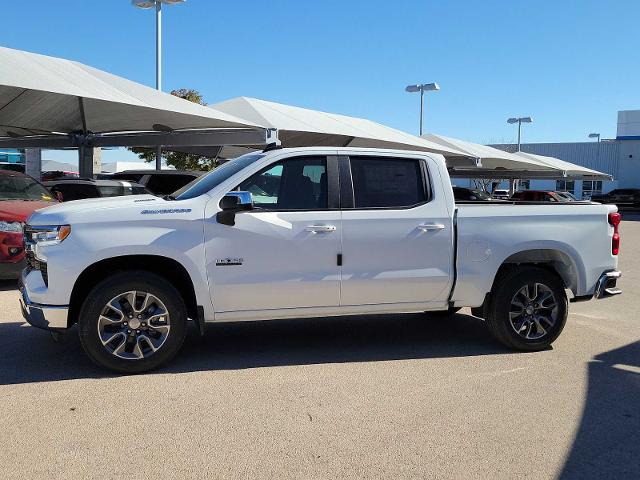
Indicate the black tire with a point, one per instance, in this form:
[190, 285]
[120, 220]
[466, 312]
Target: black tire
[104, 292]
[498, 317]
[451, 311]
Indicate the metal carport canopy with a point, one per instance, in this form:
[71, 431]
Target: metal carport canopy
[302, 127]
[46, 99]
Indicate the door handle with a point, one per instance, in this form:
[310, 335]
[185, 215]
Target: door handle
[427, 227]
[321, 228]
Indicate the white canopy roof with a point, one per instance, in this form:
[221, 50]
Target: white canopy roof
[300, 127]
[490, 158]
[570, 170]
[42, 95]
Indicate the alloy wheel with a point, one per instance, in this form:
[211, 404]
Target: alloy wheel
[133, 325]
[533, 311]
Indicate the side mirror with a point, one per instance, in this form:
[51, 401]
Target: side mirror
[233, 203]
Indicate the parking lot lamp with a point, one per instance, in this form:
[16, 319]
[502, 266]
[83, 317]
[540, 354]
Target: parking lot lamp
[158, 6]
[519, 121]
[422, 87]
[595, 135]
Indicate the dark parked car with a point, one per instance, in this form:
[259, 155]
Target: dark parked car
[539, 196]
[159, 182]
[461, 193]
[66, 189]
[622, 197]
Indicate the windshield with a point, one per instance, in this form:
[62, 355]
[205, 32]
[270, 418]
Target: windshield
[22, 188]
[205, 183]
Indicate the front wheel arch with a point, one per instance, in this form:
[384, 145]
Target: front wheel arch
[167, 268]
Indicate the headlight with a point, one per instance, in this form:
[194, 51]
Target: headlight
[47, 235]
[15, 227]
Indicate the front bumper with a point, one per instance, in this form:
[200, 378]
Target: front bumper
[606, 286]
[48, 317]
[11, 271]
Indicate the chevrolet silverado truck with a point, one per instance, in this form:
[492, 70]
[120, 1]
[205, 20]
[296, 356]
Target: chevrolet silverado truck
[309, 232]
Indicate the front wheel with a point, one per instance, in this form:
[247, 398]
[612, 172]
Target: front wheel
[528, 309]
[132, 322]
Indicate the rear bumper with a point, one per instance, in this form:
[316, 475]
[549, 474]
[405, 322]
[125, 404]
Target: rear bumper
[48, 317]
[11, 271]
[606, 286]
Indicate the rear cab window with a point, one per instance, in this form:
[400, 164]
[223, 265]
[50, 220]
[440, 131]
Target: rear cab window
[388, 182]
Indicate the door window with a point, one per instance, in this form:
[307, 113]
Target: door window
[293, 184]
[387, 182]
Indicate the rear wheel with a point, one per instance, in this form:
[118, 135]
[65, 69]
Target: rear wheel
[132, 322]
[528, 309]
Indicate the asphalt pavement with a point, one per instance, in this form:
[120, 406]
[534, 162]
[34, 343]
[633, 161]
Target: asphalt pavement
[388, 396]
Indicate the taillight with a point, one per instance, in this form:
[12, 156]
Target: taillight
[614, 221]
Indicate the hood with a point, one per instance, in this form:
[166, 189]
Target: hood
[19, 210]
[98, 209]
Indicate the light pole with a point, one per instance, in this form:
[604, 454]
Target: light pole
[519, 121]
[596, 135]
[422, 87]
[158, 6]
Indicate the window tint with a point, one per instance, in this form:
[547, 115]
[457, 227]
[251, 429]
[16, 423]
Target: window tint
[111, 190]
[133, 177]
[166, 184]
[136, 190]
[294, 184]
[387, 182]
[76, 191]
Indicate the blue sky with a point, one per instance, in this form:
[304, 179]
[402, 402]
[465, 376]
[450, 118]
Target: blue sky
[570, 64]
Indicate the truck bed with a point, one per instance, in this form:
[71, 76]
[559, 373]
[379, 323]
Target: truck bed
[569, 234]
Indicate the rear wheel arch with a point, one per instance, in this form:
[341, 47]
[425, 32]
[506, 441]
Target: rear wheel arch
[554, 261]
[167, 268]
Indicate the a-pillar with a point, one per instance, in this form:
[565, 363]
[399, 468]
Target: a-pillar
[89, 161]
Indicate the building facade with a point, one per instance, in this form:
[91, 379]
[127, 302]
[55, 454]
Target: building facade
[619, 157]
[11, 155]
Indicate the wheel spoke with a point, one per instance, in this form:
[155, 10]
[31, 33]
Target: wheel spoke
[108, 338]
[148, 341]
[540, 330]
[533, 311]
[129, 343]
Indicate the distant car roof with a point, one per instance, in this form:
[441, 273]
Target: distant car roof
[161, 172]
[101, 183]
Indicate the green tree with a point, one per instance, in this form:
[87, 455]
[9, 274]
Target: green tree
[179, 160]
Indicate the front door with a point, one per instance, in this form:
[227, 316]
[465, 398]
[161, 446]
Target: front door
[283, 254]
[397, 234]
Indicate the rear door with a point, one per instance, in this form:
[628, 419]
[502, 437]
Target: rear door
[397, 232]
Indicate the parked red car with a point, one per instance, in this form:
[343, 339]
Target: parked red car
[539, 196]
[20, 195]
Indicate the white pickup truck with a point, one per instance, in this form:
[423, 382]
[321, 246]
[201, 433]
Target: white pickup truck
[309, 232]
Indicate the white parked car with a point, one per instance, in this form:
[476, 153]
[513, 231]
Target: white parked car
[501, 194]
[309, 232]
